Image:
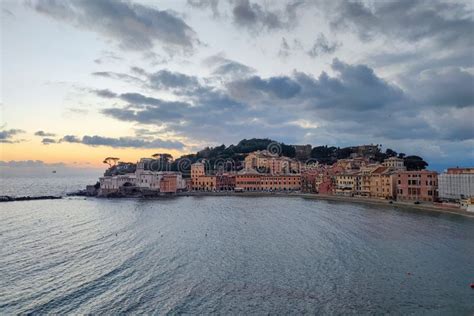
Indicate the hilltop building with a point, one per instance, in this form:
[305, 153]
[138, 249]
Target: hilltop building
[267, 162]
[394, 163]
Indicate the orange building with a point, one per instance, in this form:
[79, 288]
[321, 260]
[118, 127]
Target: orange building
[247, 181]
[205, 183]
[169, 183]
[254, 181]
[382, 183]
[197, 170]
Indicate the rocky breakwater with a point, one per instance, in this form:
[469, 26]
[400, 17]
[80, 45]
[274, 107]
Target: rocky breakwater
[6, 198]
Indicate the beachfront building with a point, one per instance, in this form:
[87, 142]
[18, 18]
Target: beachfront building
[346, 183]
[110, 184]
[320, 178]
[416, 185]
[364, 177]
[205, 183]
[144, 179]
[247, 180]
[382, 183]
[251, 180]
[308, 181]
[286, 182]
[456, 184]
[225, 182]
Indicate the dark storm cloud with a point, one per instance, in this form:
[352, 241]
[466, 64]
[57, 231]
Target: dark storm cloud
[322, 46]
[124, 142]
[355, 87]
[445, 23]
[354, 101]
[7, 136]
[146, 109]
[140, 99]
[279, 87]
[445, 87]
[44, 134]
[134, 26]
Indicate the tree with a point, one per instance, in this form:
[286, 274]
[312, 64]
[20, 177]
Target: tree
[390, 153]
[163, 157]
[401, 155]
[288, 150]
[324, 154]
[414, 163]
[111, 161]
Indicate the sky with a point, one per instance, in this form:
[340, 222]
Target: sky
[85, 79]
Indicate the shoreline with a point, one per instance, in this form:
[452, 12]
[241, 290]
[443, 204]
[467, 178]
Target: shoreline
[334, 198]
[311, 196]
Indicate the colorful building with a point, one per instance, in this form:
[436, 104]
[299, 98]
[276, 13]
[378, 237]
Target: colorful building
[249, 180]
[225, 182]
[417, 185]
[346, 183]
[205, 183]
[267, 162]
[382, 183]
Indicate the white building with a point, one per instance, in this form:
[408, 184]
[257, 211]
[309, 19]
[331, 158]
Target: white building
[113, 183]
[455, 186]
[144, 177]
[394, 163]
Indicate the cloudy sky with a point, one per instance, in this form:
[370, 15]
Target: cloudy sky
[86, 79]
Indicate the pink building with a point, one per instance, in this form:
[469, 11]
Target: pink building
[169, 183]
[417, 185]
[225, 182]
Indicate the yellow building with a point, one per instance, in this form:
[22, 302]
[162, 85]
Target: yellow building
[382, 183]
[205, 183]
[346, 183]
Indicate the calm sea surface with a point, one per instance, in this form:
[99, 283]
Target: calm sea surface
[232, 255]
